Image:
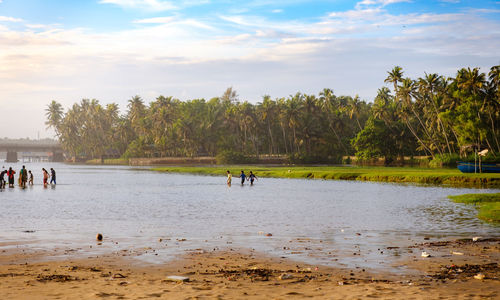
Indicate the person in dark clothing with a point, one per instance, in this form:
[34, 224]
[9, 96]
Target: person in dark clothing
[243, 176]
[2, 179]
[252, 177]
[30, 182]
[52, 176]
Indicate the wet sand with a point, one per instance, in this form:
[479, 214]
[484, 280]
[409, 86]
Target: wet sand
[27, 273]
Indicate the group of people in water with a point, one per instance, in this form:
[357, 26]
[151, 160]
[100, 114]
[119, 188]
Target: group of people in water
[25, 177]
[250, 177]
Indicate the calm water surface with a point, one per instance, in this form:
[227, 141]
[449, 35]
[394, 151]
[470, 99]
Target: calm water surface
[318, 221]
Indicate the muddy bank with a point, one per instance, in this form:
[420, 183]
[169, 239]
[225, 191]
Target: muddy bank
[241, 273]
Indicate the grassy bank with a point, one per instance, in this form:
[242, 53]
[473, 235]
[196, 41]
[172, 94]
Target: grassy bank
[108, 161]
[488, 204]
[381, 174]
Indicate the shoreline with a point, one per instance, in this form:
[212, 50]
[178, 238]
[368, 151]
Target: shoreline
[439, 177]
[244, 273]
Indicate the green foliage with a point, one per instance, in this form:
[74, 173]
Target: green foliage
[231, 157]
[137, 148]
[432, 115]
[445, 160]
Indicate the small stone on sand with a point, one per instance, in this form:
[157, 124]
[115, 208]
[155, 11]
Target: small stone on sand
[177, 278]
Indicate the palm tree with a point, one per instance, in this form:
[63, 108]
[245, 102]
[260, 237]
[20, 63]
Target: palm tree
[395, 76]
[406, 92]
[354, 110]
[55, 115]
[429, 84]
[327, 103]
[268, 115]
[136, 112]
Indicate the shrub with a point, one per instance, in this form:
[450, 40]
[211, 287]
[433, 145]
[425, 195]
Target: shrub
[232, 157]
[444, 160]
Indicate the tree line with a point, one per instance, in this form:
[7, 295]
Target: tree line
[432, 115]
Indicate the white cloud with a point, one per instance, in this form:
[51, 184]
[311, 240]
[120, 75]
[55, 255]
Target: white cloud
[158, 20]
[174, 55]
[382, 3]
[153, 5]
[277, 11]
[9, 19]
[450, 1]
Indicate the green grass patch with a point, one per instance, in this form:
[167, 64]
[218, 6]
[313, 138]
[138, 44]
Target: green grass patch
[381, 174]
[488, 204]
[108, 161]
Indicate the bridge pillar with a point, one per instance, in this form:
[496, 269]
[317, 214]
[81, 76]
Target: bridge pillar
[57, 157]
[11, 157]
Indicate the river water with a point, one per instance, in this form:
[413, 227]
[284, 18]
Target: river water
[317, 221]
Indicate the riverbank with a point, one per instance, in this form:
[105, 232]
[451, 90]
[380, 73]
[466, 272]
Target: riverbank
[451, 177]
[243, 273]
[488, 205]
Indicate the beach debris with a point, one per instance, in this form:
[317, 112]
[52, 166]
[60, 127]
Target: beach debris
[476, 238]
[118, 275]
[55, 278]
[457, 253]
[269, 234]
[28, 231]
[425, 254]
[304, 270]
[98, 237]
[340, 283]
[357, 233]
[177, 278]
[285, 276]
[479, 276]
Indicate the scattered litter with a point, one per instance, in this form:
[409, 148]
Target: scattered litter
[98, 237]
[118, 275]
[269, 234]
[285, 276]
[479, 276]
[425, 254]
[340, 283]
[457, 253]
[476, 238]
[177, 278]
[29, 231]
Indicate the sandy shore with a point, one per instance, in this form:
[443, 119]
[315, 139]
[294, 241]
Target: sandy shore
[244, 274]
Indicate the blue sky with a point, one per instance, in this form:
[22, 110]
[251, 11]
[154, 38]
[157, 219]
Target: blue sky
[112, 50]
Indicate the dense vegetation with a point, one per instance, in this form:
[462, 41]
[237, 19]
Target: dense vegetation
[488, 204]
[433, 115]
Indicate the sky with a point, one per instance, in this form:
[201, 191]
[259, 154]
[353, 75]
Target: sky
[111, 50]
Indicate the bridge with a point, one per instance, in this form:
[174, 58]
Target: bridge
[52, 148]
